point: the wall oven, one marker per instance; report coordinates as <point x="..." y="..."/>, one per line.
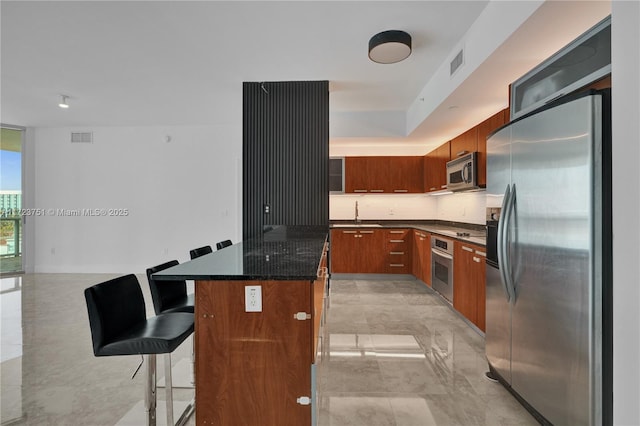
<point x="442" y="266"/>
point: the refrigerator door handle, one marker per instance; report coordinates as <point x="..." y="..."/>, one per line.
<point x="501" y="242"/>
<point x="508" y="270"/>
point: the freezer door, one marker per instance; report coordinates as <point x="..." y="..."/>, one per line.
<point x="498" y="326"/>
<point x="551" y="261"/>
<point x="498" y="309"/>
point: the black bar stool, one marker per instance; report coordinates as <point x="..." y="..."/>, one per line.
<point x="171" y="296"/>
<point x="223" y="244"/>
<point x="200" y="251"/>
<point x="119" y="326"/>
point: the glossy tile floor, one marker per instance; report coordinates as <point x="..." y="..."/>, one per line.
<point x="393" y="354"/>
<point x="398" y="355"/>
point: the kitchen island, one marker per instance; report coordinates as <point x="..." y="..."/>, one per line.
<point x="258" y="309"/>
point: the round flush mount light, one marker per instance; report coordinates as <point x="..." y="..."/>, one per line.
<point x="389" y="47"/>
<point x="64" y="102"/>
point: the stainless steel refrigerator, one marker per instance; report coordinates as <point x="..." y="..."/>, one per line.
<point x="548" y="324"/>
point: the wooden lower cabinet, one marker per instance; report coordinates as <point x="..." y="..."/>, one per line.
<point x="398" y="249"/>
<point x="421" y="256"/>
<point x="251" y="367"/>
<point x="469" y="282"/>
<point x="357" y="250"/>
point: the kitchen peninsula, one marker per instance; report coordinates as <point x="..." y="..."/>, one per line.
<point x="258" y="308"/>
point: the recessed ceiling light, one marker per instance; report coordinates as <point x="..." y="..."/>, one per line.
<point x="64" y="103"/>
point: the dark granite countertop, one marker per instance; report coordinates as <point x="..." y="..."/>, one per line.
<point x="285" y="253"/>
<point x="477" y="233"/>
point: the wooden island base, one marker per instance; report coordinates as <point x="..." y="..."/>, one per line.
<point x="257" y="368"/>
<point x="251" y="367"/>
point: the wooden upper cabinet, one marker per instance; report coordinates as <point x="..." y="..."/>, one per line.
<point x="405" y="174"/>
<point x="484" y="129"/>
<point x="356" y="174"/>
<point x="435" y="168"/>
<point x="378" y="174"/>
<point x="383" y="175"/>
<point x="464" y="143"/>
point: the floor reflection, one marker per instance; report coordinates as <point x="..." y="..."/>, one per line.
<point x="395" y="354"/>
<point x="11" y="349"/>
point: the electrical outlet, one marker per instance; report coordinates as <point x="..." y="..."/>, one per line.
<point x="253" y="298"/>
<point x="267" y="209"/>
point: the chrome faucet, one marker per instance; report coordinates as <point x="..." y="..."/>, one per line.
<point x="357" y="219"/>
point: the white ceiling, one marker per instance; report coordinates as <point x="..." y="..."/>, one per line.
<point x="140" y="63"/>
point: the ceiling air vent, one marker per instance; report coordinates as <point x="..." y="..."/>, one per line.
<point x="456" y="63"/>
<point x="81" y="137"/>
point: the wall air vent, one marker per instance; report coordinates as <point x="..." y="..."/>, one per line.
<point x="456" y="62"/>
<point x="81" y="137"/>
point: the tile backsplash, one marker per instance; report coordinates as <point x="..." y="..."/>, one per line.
<point x="467" y="207"/>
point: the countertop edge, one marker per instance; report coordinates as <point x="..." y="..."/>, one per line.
<point x="234" y="278"/>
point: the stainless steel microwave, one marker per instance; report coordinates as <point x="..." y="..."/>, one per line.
<point x="462" y="173"/>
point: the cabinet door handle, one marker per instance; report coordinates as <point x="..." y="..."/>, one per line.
<point x="481" y="253"/>
<point x="396" y="252"/>
<point x="396" y="232"/>
<point x="366" y="232"/>
<point x="461" y="153"/>
<point x="476" y="259"/>
<point x="400" y="190"/>
<point x="396" y="265"/>
<point x="433" y="188"/>
<point x="359" y="190"/>
<point x="469" y="249"/>
<point x="396" y="241"/>
<point x="443" y="186"/>
<point x="376" y="190"/>
<point x="349" y="232"/>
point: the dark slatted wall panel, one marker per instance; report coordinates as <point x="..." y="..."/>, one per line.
<point x="285" y="154"/>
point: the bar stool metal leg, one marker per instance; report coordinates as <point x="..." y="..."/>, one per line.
<point x="168" y="385"/>
<point x="150" y="390"/>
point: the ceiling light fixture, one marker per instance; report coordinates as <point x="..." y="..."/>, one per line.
<point x="389" y="47"/>
<point x="64" y="103"/>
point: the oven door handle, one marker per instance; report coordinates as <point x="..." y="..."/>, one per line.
<point x="441" y="254"/>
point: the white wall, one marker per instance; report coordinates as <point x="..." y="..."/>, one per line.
<point x="468" y="207"/>
<point x="179" y="194"/>
<point x="625" y="63"/>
